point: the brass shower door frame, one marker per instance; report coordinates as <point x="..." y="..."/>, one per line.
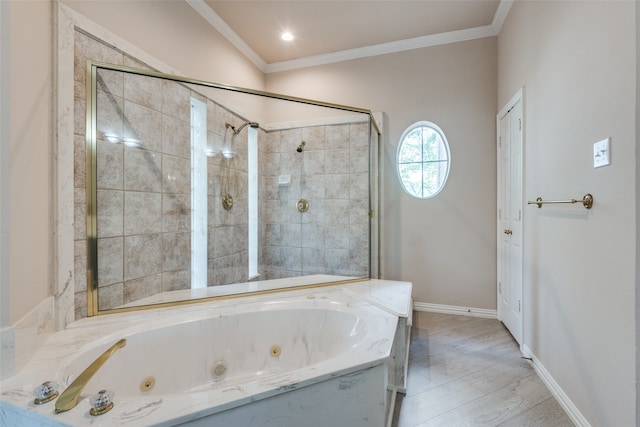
<point x="91" y="174"/>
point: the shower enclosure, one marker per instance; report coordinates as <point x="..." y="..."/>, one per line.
<point x="192" y="185"/>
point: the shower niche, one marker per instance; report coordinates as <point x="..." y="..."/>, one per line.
<point x="193" y="190"/>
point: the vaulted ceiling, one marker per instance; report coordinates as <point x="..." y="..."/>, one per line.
<point x="328" y="31"/>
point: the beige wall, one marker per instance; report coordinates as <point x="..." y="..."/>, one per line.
<point x="29" y="177"/>
<point x="577" y="62"/>
<point x="445" y="245"/>
<point x="4" y="164"/>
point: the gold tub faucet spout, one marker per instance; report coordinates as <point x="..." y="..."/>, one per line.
<point x="69" y="398"/>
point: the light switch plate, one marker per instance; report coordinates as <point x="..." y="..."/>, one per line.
<point x="602" y="153"/>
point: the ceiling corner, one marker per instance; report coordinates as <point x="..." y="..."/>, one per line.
<point x="221" y="26"/>
<point x="218" y="23"/>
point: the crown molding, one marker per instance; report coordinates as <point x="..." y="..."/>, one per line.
<point x="383" y="48"/>
<point x="218" y="23"/>
<point x="501" y="15"/>
<point x="362" y="52"/>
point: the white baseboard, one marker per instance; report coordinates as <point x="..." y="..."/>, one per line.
<point x="452" y="309"/>
<point x="562" y="398"/>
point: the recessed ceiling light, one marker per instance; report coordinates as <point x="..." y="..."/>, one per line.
<point x="287" y="36"/>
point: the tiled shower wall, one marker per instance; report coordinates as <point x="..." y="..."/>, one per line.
<point x="144" y="239"/>
<point x="227" y="229"/>
<point x="144" y="212"/>
<point x="332" y="174"/>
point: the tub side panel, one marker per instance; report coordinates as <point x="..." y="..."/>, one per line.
<point x="355" y="400"/>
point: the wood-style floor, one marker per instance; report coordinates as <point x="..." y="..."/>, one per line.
<point x="468" y="371"/>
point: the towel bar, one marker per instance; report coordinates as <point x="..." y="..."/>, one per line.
<point x="587" y="201"/>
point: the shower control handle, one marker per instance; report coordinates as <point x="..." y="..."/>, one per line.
<point x="302" y="205"/>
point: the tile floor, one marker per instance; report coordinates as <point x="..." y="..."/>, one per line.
<point x="468" y="371"/>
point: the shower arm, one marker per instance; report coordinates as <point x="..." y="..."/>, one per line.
<point x="242" y="126"/>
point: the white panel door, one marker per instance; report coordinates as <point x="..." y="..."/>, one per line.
<point x="510" y="151"/>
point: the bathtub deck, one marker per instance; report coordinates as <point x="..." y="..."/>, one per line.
<point x="379" y="308"/>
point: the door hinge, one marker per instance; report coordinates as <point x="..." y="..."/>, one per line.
<point x="372" y="213"/>
<point x="519" y="308"/>
<point x="500" y="141"/>
<point x="519" y="124"/>
<point x="499" y="287"/>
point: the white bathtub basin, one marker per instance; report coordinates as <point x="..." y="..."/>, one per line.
<point x="204" y="360"/>
<point x="213" y="352"/>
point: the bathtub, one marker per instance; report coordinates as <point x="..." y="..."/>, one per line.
<point x="305" y="357"/>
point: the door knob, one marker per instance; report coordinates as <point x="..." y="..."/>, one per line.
<point x="507" y="231"/>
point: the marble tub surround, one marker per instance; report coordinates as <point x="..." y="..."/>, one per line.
<point x="394" y="297"/>
<point x="349" y="369"/>
<point x="239" y="289"/>
<point x="389" y="295"/>
<point x="25" y="337"/>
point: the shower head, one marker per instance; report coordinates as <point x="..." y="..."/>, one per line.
<point x="242" y="126"/>
<point x="299" y="149"/>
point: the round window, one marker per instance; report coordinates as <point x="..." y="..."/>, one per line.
<point x="423" y="160"/>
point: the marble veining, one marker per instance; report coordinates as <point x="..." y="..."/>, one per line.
<point x="326" y="337"/>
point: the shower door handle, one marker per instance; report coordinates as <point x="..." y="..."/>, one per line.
<point x="507" y="231"/>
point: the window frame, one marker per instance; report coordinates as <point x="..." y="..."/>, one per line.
<point x="440" y="132"/>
